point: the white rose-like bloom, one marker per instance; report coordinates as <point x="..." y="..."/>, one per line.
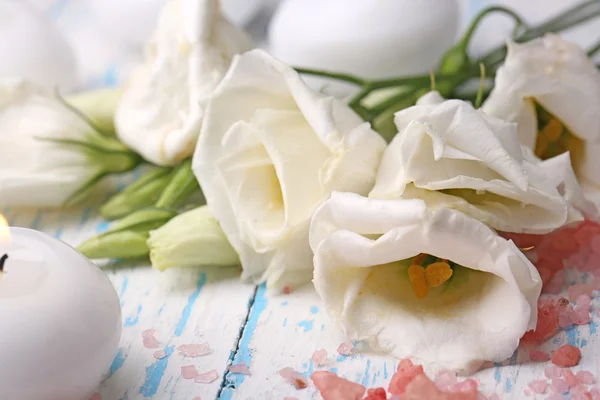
<point x="452" y="155"/>
<point x="558" y="76"/>
<point x="363" y="249"/>
<point x="270" y="152"/>
<point x="49" y="153"/>
<point x="161" y="110"/>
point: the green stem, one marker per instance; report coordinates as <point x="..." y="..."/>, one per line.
<point x="479" y="98"/>
<point x="333" y="75"/>
<point x="475" y="24"/>
<point x="592" y="52"/>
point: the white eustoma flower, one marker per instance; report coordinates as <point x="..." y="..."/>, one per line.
<point x="161" y="110"/>
<point x="452" y="155"/>
<point x="49" y="153"/>
<point x="557" y="76"/>
<point x="270" y="152"/>
<point x="364" y="249"/>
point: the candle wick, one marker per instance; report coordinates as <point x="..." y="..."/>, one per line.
<point x="2" y="261"/>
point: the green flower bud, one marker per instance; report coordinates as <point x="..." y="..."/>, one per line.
<point x="98" y="106"/>
<point x="191" y="239"/>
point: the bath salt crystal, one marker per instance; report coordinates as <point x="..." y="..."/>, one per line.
<point x="559" y="386"/>
<point x="96" y="396"/>
<point x="595" y="244"/>
<point x="556" y="283"/>
<point x="586" y="377"/>
<point x="240" y="368"/>
<point x="566" y="356"/>
<point x="547" y="323"/>
<point x="188" y="372"/>
<point x="494" y="396"/>
<point x="527" y="392"/>
<point x="290" y="398"/>
<point x="346" y="348"/>
<point x="579" y="289"/>
<point x="294" y="378"/>
<point x="557" y="396"/>
<point x="194" y="350"/>
<point x="552" y="371"/>
<point x="148" y="339"/>
<point x="570" y="377"/>
<point x="405" y="373"/>
<point x="466" y="386"/>
<point x="539" y="386"/>
<point x="580" y="393"/>
<point x="319" y="356"/>
<point x="207" y="377"/>
<point x="538" y="355"/>
<point x="585" y="232"/>
<point x="376" y="394"/>
<point x="159" y="355"/>
<point x="332" y="387"/>
<point x="445" y="379"/>
<point x="584" y="300"/>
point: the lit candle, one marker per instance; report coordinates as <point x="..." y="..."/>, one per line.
<point x="60" y="319"/>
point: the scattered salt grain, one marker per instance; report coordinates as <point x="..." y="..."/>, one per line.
<point x="346" y="348"/>
<point x="207" y="377"/>
<point x="557" y="396"/>
<point x="539" y="386"/>
<point x="405" y="373"/>
<point x="319" y="356"/>
<point x="559" y="385"/>
<point x="240" y="368"/>
<point x="445" y="379"/>
<point x="294" y="378"/>
<point x="188" y="372"/>
<point x="579" y="289"/>
<point x="290" y="398"/>
<point x="566" y="356"/>
<point x="547" y="323"/>
<point x="538" y="355"/>
<point x="332" y="387"/>
<point x="585" y="377"/>
<point x="160" y="354"/>
<point x="552" y="371"/>
<point x="197" y="398"/>
<point x="570" y="377"/>
<point x="494" y="396"/>
<point x="376" y="394"/>
<point x="96" y="396"/>
<point x="194" y="350"/>
<point x="148" y="339"/>
<point x="287" y="290"/>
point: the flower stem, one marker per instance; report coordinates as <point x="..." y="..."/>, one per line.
<point x="592" y="52"/>
<point x="333" y="75"/>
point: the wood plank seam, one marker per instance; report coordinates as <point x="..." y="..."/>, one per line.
<point x="227" y="381"/>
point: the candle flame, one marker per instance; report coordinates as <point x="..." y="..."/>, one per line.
<point x="4" y="231"/>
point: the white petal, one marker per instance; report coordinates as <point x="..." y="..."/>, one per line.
<point x="556" y="74"/>
<point x="161" y="110"/>
<point x="452" y="146"/>
<point x="479" y="315"/>
<point x="270" y="152"/>
<point x="589" y="168"/>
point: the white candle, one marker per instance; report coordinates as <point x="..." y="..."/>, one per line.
<point x="60" y="319"/>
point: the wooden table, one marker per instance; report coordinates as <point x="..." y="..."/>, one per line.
<point x="242" y="324"/>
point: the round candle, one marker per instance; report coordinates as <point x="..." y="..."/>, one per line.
<point x="60" y="319"/>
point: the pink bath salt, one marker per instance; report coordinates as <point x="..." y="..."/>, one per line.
<point x="595" y="283"/>
<point x="527" y="392"/>
<point x="346" y="348"/>
<point x="160" y="354"/>
<point x="494" y="396"/>
<point x="445" y="379"/>
<point x="405" y="373"/>
<point x="586" y="231"/>
<point x="194" y="350"/>
<point x="585" y="377"/>
<point x="566" y="316"/>
<point x="557" y="396"/>
<point x="584" y="300"/>
<point x="579" y="289"/>
<point x="556" y="283"/>
<point x="376" y="394"/>
<point x="319" y="356"/>
<point x="564" y="242"/>
<point x="207" y="377"/>
<point x="566" y="356"/>
<point x="96" y="396"/>
<point x="538" y="355"/>
<point x="570" y="377"/>
<point x="559" y="385"/>
<point x="240" y="368"/>
<point x="287" y="289"/>
<point x="290" y="398"/>
<point x="148" y="339"/>
<point x="188" y="372"/>
<point x="294" y="378"/>
<point x="547" y="323"/>
<point x="581" y="316"/>
<point x="466" y="386"/>
<point x="539" y="386"/>
<point x="197" y="398"/>
<point x="595" y="244"/>
<point x="552" y="371"/>
<point x="332" y="387"/>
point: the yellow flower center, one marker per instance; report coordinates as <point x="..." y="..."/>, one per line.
<point x="432" y="275"/>
<point x="554" y="138"/>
